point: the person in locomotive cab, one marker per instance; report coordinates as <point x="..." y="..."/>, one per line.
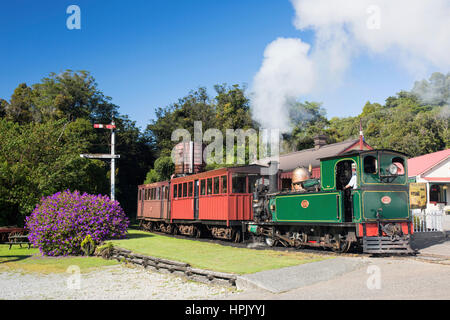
<point x="299" y="176"/>
<point x="353" y="181"/>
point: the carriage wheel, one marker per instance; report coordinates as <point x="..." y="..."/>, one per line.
<point x="237" y="236"/>
<point x="197" y="232"/>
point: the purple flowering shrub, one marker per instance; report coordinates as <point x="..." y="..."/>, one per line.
<point x="60" y="222"/>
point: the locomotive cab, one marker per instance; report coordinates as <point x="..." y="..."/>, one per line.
<point x="379" y="204"/>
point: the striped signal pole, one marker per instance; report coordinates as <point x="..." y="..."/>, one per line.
<point x="113" y="161"/>
<point x="361" y="135"/>
<point x="113" y="156"/>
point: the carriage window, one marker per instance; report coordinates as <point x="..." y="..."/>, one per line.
<point x="139" y="194"/>
<point x="175" y="189"/>
<point x="202" y="188"/>
<point x="163" y="190"/>
<point x="209" y="186"/>
<point x="238" y="183"/>
<point x="158" y="193"/>
<point x="185" y="190"/>
<point x="190" y="189"/>
<point x="167" y="193"/>
<point x="216" y="185"/>
<point x="370" y="165"/>
<point x="147" y="192"/>
<point x="224" y="184"/>
<point x="153" y="193"/>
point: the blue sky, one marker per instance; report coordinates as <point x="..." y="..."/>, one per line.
<point x="147" y="54"/>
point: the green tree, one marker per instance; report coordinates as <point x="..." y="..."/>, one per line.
<point x="40" y="159"/>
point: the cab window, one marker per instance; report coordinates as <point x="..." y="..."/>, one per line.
<point x="370" y="165"/>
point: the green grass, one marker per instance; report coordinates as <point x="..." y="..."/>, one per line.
<point x="212" y="256"/>
<point x="31" y="260"/>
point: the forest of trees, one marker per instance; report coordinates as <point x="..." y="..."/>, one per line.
<point x="46" y="126"/>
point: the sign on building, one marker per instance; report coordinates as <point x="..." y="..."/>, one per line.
<point x="418" y="195"/>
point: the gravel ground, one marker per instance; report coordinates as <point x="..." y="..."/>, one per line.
<point x="115" y="282"/>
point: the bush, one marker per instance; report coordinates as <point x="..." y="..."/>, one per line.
<point x="60" y="223"/>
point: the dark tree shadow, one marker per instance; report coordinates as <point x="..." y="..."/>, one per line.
<point x="14" y="258"/>
<point x="137" y="236"/>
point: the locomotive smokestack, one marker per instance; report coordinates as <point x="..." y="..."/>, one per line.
<point x="273" y="177"/>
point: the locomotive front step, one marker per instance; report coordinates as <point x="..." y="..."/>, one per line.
<point x="387" y="245"/>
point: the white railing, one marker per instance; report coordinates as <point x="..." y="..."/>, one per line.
<point x="427" y="220"/>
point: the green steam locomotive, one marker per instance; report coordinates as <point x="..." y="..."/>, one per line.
<point x="361" y="200"/>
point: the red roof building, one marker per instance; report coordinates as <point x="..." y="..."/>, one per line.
<point x="434" y="170"/>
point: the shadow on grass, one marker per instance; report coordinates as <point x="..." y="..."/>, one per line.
<point x="137" y="236"/>
<point x="14" y="258"/>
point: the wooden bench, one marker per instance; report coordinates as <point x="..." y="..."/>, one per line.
<point x="17" y="239"/>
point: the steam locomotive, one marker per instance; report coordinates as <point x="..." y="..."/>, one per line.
<point x="246" y="202"/>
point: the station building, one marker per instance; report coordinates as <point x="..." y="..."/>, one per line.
<point x="433" y="169"/>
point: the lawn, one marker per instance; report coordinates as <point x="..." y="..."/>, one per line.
<point x="211" y="256"/>
<point x="31" y="260"/>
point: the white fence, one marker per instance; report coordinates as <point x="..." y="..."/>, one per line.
<point x="428" y="220"/>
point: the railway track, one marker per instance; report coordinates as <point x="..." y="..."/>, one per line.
<point x="250" y="244"/>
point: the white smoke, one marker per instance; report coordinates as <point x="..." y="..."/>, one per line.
<point x="414" y="33"/>
<point x="285" y="74"/>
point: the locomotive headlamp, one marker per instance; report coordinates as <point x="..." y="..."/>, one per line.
<point x="393" y="169"/>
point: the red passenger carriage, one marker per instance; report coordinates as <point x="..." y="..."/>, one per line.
<point x="215" y="202"/>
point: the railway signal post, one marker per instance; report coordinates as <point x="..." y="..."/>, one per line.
<point x="113" y="156"/>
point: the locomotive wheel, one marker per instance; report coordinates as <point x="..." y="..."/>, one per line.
<point x="342" y="246"/>
<point x="270" y="242"/>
